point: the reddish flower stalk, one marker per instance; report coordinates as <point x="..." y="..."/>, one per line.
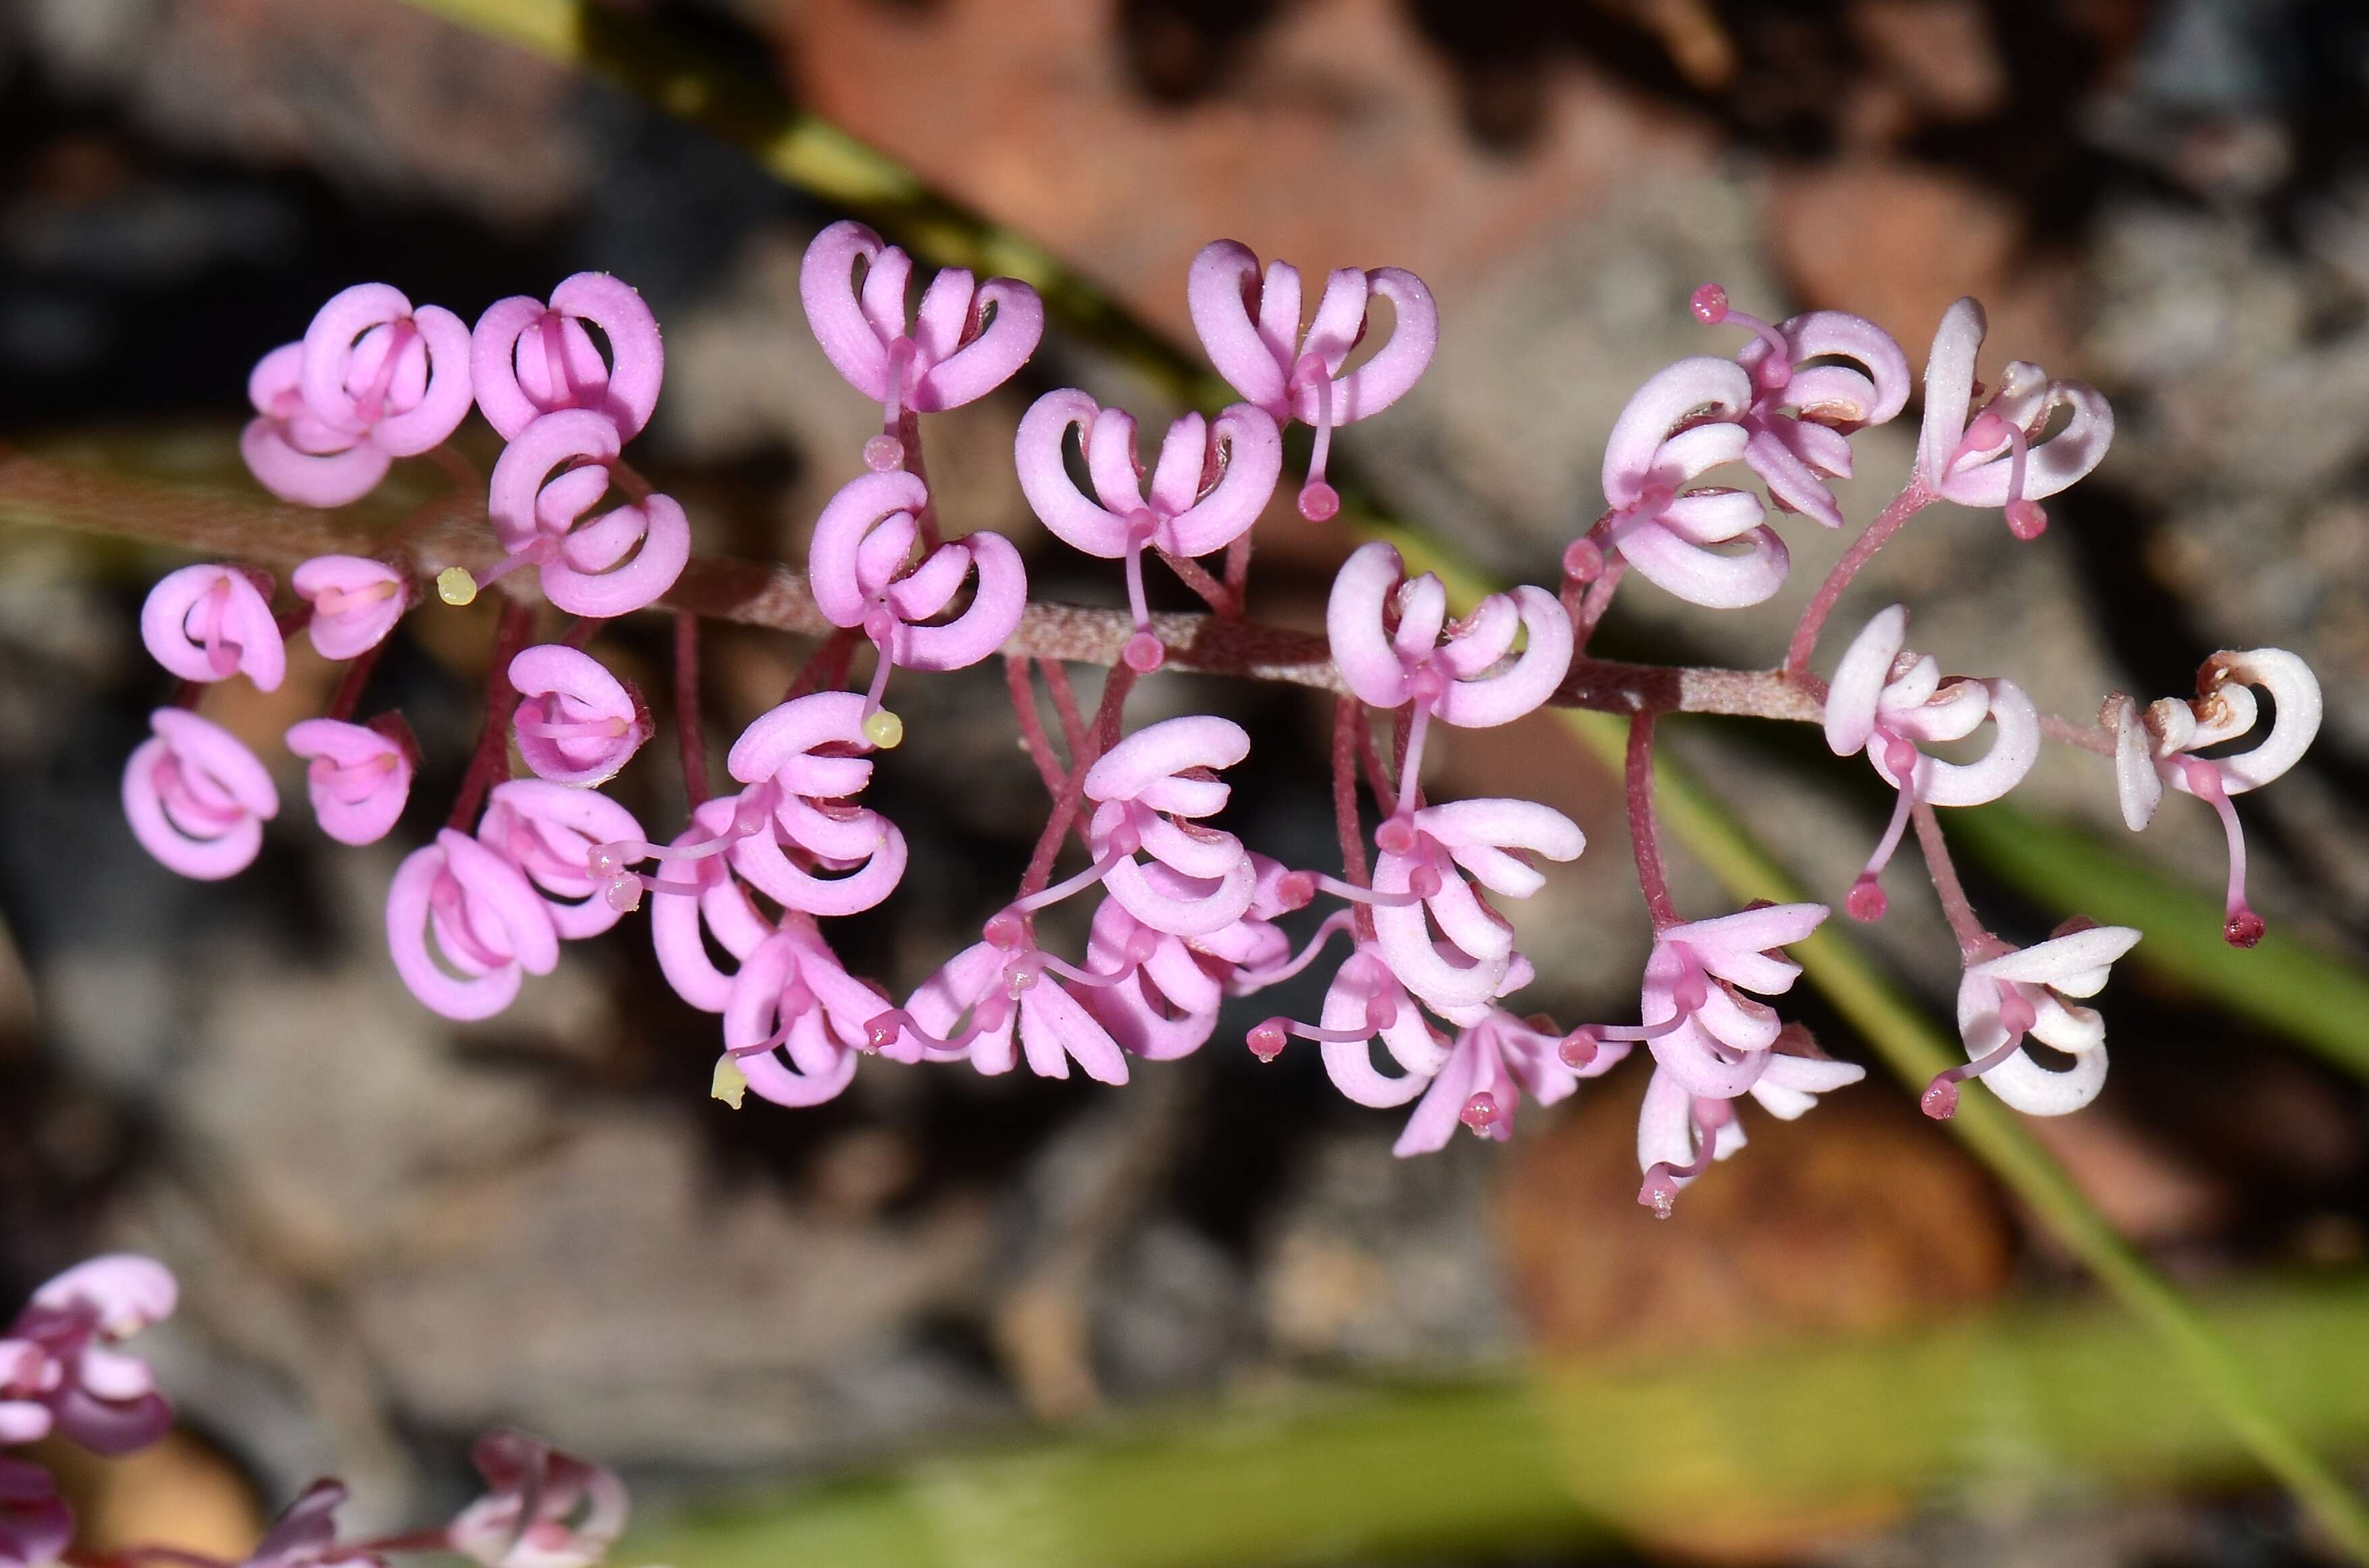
<point x="1912" y="500"/>
<point x="690" y="736"/>
<point x="1644" y="832"/>
<point x="492" y="757"/>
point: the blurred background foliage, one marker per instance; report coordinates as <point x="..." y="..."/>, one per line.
<point x="1210" y="1321"/>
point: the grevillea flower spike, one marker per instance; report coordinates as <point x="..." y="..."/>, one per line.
<point x="59" y="1369"/>
<point x="1688" y="419"/>
<point x="1793" y="366"/>
<point x="556" y="469"/>
<point x="2158" y="745"/>
<point x="1995" y="458"/>
<point x="1248" y="325"/>
<point x="1211" y="483"/>
<point x="358" y="775"/>
<point x="1887" y="702"/>
<point x="356" y="602"/>
<point x="464" y="926"/>
<point x="210" y="623"/>
<point x="2028" y="992"/>
<point x="541" y="1508"/>
<point x="196" y="797"/>
<point x="576" y="723"/>
<point x="529" y="358"/>
<point x="36" y="1524"/>
<point x="860" y="567"/>
<point x="965" y="340"/>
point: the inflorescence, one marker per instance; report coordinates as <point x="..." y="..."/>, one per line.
<point x="1187" y="913"/>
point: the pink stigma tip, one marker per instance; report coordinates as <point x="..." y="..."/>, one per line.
<point x="1319" y="502"/>
<point x="884" y="454"/>
<point x="623" y="893"/>
<point x="2026" y="520"/>
<point x="1708" y="305"/>
<point x="1582" y="560"/>
<point x="1144" y="653"/>
<point x="1939" y="1100"/>
<point x="1866" y="902"/>
<point x="1578" y="1049"/>
<point x="1659" y="1194"/>
<point x="1480" y="1112"/>
<point x="1395" y="836"/>
<point x="2244" y="929"/>
<point x="1004" y="930"/>
<point x="1266" y="1040"/>
<point x="1296" y="890"/>
<point x="882" y="1031"/>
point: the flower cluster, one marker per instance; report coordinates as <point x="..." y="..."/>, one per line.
<point x="1707" y="461"/>
<point x="60" y="1373"/>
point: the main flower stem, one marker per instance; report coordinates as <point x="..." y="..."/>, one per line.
<point x="1913" y="498"/>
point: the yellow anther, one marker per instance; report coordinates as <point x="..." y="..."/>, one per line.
<point x="455" y="587"/>
<point x="883" y="728"/>
<point x="729" y="1085"/>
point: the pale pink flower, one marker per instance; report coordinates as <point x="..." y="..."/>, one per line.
<point x="805" y="757"/>
<point x="576" y="723"/>
<point x="701" y="898"/>
<point x="1248" y="325"/>
<point x="1685" y="420"/>
<point x="1993" y="456"/>
<point x="1793" y="366"/>
<point x="967" y="339"/>
<point x="36" y="1526"/>
<point x="196" y="797"/>
<point x="1003" y="998"/>
<point x="1211" y="483"/>
<point x="1149" y="790"/>
<point x="1437" y="933"/>
<point x="1166" y="1003"/>
<point x="1494" y="1062"/>
<point x="2030" y="992"/>
<point x="551" y="474"/>
<point x="356" y="602"/>
<point x="1680" y="1133"/>
<point x="542" y="1509"/>
<point x="1888" y="703"/>
<point x="2157" y="747"/>
<point x="212" y="622"/>
<point x="550" y="832"/>
<point x="464" y="926"/>
<point x="528" y="359"/>
<point x="375" y="369"/>
<point x="294" y="452"/>
<point x="59" y="1369"/>
<point x="794" y="1022"/>
<point x="358" y="775"/>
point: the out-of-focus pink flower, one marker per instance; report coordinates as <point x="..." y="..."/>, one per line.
<point x="2159" y="746"/>
<point x="1888" y="703"/>
<point x="377" y="370"/>
<point x="1993" y="456"/>
<point x="994" y="1003"/>
<point x="1685" y="420"/>
<point x="541" y="1508"/>
<point x="295" y="454"/>
<point x="59" y="1369"/>
<point x="356" y="602"/>
<point x="1680" y="1133"/>
<point x="36" y="1526"/>
<point x="1248" y="325"/>
<point x="464" y="926"/>
<point x="212" y="622"/>
<point x="305" y="1534"/>
<point x="550" y="831"/>
<point x="527" y="359"/>
<point x="1166" y="1003"/>
<point x="576" y="723"/>
<point x="358" y="775"/>
<point x="965" y="340"/>
<point x="196" y="797"/>
<point x="551" y="474"/>
<point x="1793" y="366"/>
<point x="2026" y="992"/>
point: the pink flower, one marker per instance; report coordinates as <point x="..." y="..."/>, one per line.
<point x="550" y="831"/>
<point x="967" y="339"/>
<point x="1796" y="453"/>
<point x="528" y="359"/>
<point x="542" y="1509"/>
<point x="576" y="723"/>
<point x="1165" y="1004"/>
<point x="1149" y="787"/>
<point x="1494" y="1062"/>
<point x="292" y="451"/>
<point x="306" y="1533"/>
<point x="861" y="568"/>
<point x="1365" y="1002"/>
<point x="465" y="926"/>
<point x="794" y="1022"/>
<point x="209" y="622"/>
<point x="197" y="799"/>
<point x="356" y="602"/>
<point x="358" y="775"/>
<point x="36" y="1526"/>
<point x="1250" y="327"/>
<point x="58" y="1368"/>
<point x="623" y="560"/>
<point x="1210" y="485"/>
<point x="805" y="757"/>
<point x="1887" y="703"/>
<point x="1440" y="937"/>
<point x="2023" y="992"/>
<point x="1684" y="421"/>
<point x="993" y="994"/>
<point x="1680" y="1133"/>
<point x="704" y="899"/>
<point x="1996" y="459"/>
<point x="2159" y="747"/>
<point x="378" y="370"/>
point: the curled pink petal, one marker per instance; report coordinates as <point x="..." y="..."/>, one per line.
<point x="1480" y="700"/>
<point x="527" y="359"/>
<point x="969" y="339"/>
<point x="210" y="622"/>
<point x="1362" y="649"/>
<point x="552" y="442"/>
<point x="359" y="778"/>
<point x="464" y="926"/>
<point x="1860" y="678"/>
<point x="1263" y="359"/>
<point x="1707" y="578"/>
<point x="1130" y="768"/>
<point x="782" y="742"/>
<point x="356" y="602"/>
<point x="541" y="1508"/>
<point x="550" y="831"/>
<point x="576" y="724"/>
<point x="196" y="797"/>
